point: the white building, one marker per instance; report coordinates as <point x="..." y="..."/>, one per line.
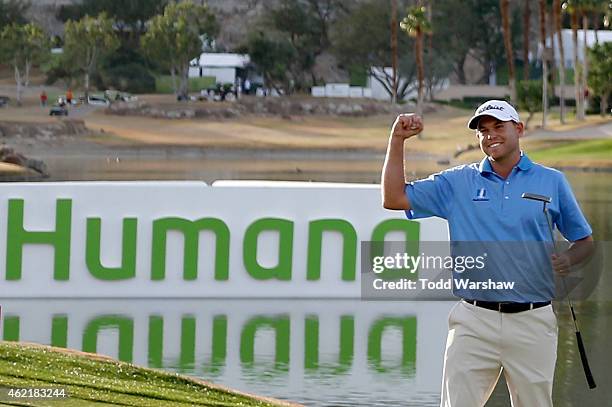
<point x="568" y="44"/>
<point x="224" y="67"/>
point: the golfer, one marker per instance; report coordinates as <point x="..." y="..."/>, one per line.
<point x="513" y="331"/>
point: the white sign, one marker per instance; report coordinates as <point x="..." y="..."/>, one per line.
<point x="188" y="239"/>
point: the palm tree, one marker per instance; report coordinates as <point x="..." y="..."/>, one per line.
<point x="599" y="7"/>
<point x="542" y="4"/>
<point x="526" y="21"/>
<point x="557" y="28"/>
<point x="573" y="8"/>
<point x="394" y="51"/>
<point x="585" y="27"/>
<point x="593" y="7"/>
<point x="504" y="6"/>
<point x="416" y="24"/>
<point x="430" y="52"/>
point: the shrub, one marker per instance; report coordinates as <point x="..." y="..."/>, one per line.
<point x="529" y="95"/>
<point x="132" y="77"/>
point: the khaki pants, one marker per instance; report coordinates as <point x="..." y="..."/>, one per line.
<point x="482" y="343"/>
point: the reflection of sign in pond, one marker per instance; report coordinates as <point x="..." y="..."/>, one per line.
<point x="212" y="339"/>
<point x="280" y="325"/>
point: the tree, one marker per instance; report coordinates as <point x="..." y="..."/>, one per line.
<point x="292" y="20"/>
<point x="306" y="25"/>
<point x="599" y="9"/>
<point x="177" y="37"/>
<point x="430" y="52"/>
<point x="130" y="16"/>
<point x="529" y="97"/>
<point x="585" y="8"/>
<point x="588" y="7"/>
<point x="573" y="8"/>
<point x="526" y="35"/>
<point x="556" y="8"/>
<point x="272" y="57"/>
<point x="23" y="46"/>
<point x="542" y="6"/>
<point x="394" y="50"/>
<point x="416" y="24"/>
<point x="129" y="23"/>
<point x="85" y="43"/>
<point x="600" y="74"/>
<point x="505" y="15"/>
<point x="458" y="35"/>
<point x="361" y="42"/>
<point x="12" y="11"/>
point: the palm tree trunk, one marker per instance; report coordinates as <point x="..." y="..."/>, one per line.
<point x="420" y="70"/>
<point x="174" y="85"/>
<point x="552" y="55"/>
<point x="459" y="70"/>
<point x="394" y="50"/>
<point x="184" y="82"/>
<point x="504" y="6"/>
<point x="585" y="74"/>
<point x="544" y="62"/>
<point x="561" y="67"/>
<point x="577" y="69"/>
<point x="596" y="25"/>
<point x="18" y="81"/>
<point x="87" y="87"/>
<point x="526" y="20"/>
<point x="430" y="53"/>
<point x="26" y="78"/>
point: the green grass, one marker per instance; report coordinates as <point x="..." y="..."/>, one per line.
<point x="163" y="84"/>
<point x="591" y="149"/>
<point x="96" y="381"/>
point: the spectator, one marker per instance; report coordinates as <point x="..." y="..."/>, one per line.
<point x="43" y="98"/>
<point x="69" y="96"/>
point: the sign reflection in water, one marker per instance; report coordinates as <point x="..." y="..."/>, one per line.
<point x="281" y="348"/>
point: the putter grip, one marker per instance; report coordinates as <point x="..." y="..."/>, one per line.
<point x="585" y="361"/>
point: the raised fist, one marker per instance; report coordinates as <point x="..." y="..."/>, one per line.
<point x="407" y="125"/>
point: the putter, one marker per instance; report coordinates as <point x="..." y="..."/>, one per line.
<point x="583" y="356"/>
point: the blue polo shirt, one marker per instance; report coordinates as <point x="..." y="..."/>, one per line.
<point x="486" y="214"/>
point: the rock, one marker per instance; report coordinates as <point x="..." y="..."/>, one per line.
<point x="285" y="106"/>
<point x="43" y="131"/>
<point x="9" y="155"/>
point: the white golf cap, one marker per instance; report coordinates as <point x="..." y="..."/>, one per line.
<point x="499" y="109"/>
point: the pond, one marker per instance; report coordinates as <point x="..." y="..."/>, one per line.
<point x="318" y="352"/>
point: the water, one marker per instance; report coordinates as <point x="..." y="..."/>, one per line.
<point x="317" y="352"/>
<point x="332" y="352"/>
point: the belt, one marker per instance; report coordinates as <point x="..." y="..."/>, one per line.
<point x="508" y="307"/>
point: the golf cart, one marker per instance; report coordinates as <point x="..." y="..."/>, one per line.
<point x="218" y="92"/>
<point x="59" y="108"/>
<point x="117" y="96"/>
<point x="97" y="100"/>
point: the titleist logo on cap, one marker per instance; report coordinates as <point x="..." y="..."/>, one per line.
<point x="500" y="109"/>
<point x="489" y="107"/>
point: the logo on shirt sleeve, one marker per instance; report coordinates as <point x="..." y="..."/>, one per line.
<point x="481" y="195"/>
